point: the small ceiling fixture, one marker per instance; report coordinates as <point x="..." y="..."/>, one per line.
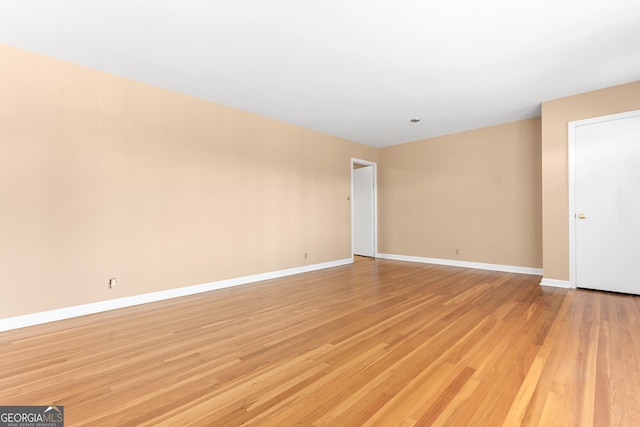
<point x="415" y="120"/>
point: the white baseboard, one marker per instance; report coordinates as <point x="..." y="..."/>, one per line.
<point x="465" y="264"/>
<point x="556" y="283"/>
<point x="81" y="310"/>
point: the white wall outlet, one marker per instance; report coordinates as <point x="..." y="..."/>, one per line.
<point x="113" y="283"/>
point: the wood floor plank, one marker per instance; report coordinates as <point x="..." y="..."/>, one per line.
<point x="379" y="342"/>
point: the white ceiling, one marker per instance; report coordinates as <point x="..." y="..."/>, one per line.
<point x="358" y="69"/>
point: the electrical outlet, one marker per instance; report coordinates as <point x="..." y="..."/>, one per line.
<point x="457" y="251"/>
<point x="113" y="283"/>
<point x="306" y="255"/>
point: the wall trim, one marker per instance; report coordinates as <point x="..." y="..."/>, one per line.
<point x="97" y="307"/>
<point x="465" y="264"/>
<point x="556" y="283"/>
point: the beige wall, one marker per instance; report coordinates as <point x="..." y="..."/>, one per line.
<point x="478" y="191"/>
<point x="556" y="115"/>
<point x="105" y="177"/>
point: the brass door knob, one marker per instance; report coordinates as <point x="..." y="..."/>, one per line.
<point x="582" y="216"/>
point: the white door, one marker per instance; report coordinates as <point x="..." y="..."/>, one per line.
<point x="363" y="212"/>
<point x="607" y="204"/>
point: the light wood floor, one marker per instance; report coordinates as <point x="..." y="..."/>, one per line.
<point x="380" y="343"/>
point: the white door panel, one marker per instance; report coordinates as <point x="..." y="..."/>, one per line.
<point x="607" y="205"/>
<point x="363" y="212"/>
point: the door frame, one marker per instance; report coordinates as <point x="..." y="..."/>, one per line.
<point x="572" y="126"/>
<point x="355" y="161"/>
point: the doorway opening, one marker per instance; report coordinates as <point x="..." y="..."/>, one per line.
<point x="364" y="207"/>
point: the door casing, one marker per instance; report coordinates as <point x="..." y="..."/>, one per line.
<point x="355" y="161"/>
<point x="572" y="140"/>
